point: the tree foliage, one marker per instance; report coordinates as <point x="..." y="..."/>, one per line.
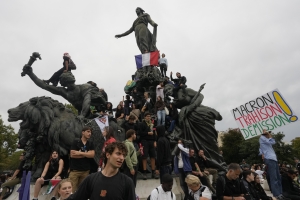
<point x="296" y="146"/>
<point x="8" y="144"/>
<point x="70" y="106"/>
<point x="235" y="148"/>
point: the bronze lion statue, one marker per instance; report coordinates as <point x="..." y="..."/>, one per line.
<point x="47" y="124"/>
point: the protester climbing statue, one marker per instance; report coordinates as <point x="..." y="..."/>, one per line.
<point x="80" y="96"/>
<point x="197" y="123"/>
<point x="47" y="124"/>
<point x="146" y="41"/>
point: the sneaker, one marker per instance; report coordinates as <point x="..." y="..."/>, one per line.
<point x="154" y="175"/>
<point x="281" y="197"/>
<point x="144" y="176"/>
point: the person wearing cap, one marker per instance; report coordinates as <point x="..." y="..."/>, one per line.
<point x="270" y="159"/>
<point x="68" y="65"/>
<point x="288" y="188"/>
<point x="15" y="179"/>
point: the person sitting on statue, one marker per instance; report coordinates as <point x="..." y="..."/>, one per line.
<point x="127" y="103"/>
<point x="120" y="114"/>
<point x="80" y="96"/>
<point x="163" y="64"/>
<point x="159" y="107"/>
<point x="68" y="65"/>
<point x="135" y="112"/>
<point x="160" y="90"/>
<point x="179" y="82"/>
<point x="16" y="177"/>
<point x="146" y="41"/>
<point x="52" y="170"/>
<point x="147" y="104"/>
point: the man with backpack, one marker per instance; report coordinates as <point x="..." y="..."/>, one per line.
<point x="229" y="186"/>
<point x="197" y="191"/>
<point x="164" y="191"/>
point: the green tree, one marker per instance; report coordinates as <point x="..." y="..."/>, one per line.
<point x="8" y="144"/>
<point x="235" y="148"/>
<point x="70" y="106"/>
<point x="231" y="144"/>
<point x="296" y="146"/>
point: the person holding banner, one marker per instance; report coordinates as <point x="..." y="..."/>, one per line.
<point x="52" y="170"/>
<point x="270" y="159"/>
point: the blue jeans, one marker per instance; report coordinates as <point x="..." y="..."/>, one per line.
<point x="161" y="115"/>
<point x="166" y="169"/>
<point x="275" y="178"/>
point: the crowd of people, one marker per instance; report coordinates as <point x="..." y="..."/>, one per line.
<point x="146" y="123"/>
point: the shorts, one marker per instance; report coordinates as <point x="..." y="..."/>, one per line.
<point x="148" y="149"/>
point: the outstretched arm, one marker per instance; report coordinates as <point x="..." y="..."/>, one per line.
<point x="43" y="85"/>
<point x="126" y="33"/>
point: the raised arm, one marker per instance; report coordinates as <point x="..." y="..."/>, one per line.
<point x="42" y="84"/>
<point x="126" y="33"/>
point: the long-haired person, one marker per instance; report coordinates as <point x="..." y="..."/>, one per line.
<point x="52" y="170"/>
<point x="108" y="134"/>
<point x="64" y="189"/>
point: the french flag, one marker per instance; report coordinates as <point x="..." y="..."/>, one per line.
<point x="147" y="59"/>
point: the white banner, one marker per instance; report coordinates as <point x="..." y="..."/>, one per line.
<point x="102" y="121"/>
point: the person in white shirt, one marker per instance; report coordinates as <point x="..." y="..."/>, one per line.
<point x="164" y="191"/>
<point x="197" y="191"/>
<point x="160" y="90"/>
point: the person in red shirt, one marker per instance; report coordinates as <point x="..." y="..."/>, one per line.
<point x="108" y="134"/>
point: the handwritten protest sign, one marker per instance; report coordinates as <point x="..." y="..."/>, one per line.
<point x="269" y="111"/>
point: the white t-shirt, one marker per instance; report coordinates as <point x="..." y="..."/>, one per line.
<point x="160" y="92"/>
<point x="161" y="194"/>
<point x="205" y="193"/>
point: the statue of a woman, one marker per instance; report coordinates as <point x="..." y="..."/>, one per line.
<point x="145" y="40"/>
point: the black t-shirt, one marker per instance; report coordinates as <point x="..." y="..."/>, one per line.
<point x="201" y="163"/>
<point x="119" y="112"/>
<point x="97" y="186"/>
<point x="20" y="174"/>
<point x="232" y="187"/>
<point x="81" y="164"/>
<point x="193" y="161"/>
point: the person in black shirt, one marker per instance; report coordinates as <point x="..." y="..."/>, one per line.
<point x="288" y="189"/>
<point x="147" y="138"/>
<point x="259" y="189"/>
<point x="16" y="177"/>
<point x="297" y="161"/>
<point x="196" y="170"/>
<point x="68" y="65"/>
<point x="109" y="184"/>
<point x="248" y="179"/>
<point x="229" y="186"/>
<point x="179" y="83"/>
<point x="130" y="123"/>
<point x="164" y="158"/>
<point x="81" y="152"/>
<point x="52" y="170"/>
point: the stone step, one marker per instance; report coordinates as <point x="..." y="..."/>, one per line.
<point x="143" y="190"/>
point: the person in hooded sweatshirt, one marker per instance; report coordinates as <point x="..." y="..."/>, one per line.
<point x="164" y="158"/>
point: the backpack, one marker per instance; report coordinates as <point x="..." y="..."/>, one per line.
<point x="190" y="197"/>
<point x="149" y="197"/>
<point x="71" y="64"/>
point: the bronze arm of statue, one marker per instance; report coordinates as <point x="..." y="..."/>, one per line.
<point x="78" y="95"/>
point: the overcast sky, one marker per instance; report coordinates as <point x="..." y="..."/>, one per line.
<point x="240" y="49"/>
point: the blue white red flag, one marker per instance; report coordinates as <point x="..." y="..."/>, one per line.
<point x="147" y="59"/>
